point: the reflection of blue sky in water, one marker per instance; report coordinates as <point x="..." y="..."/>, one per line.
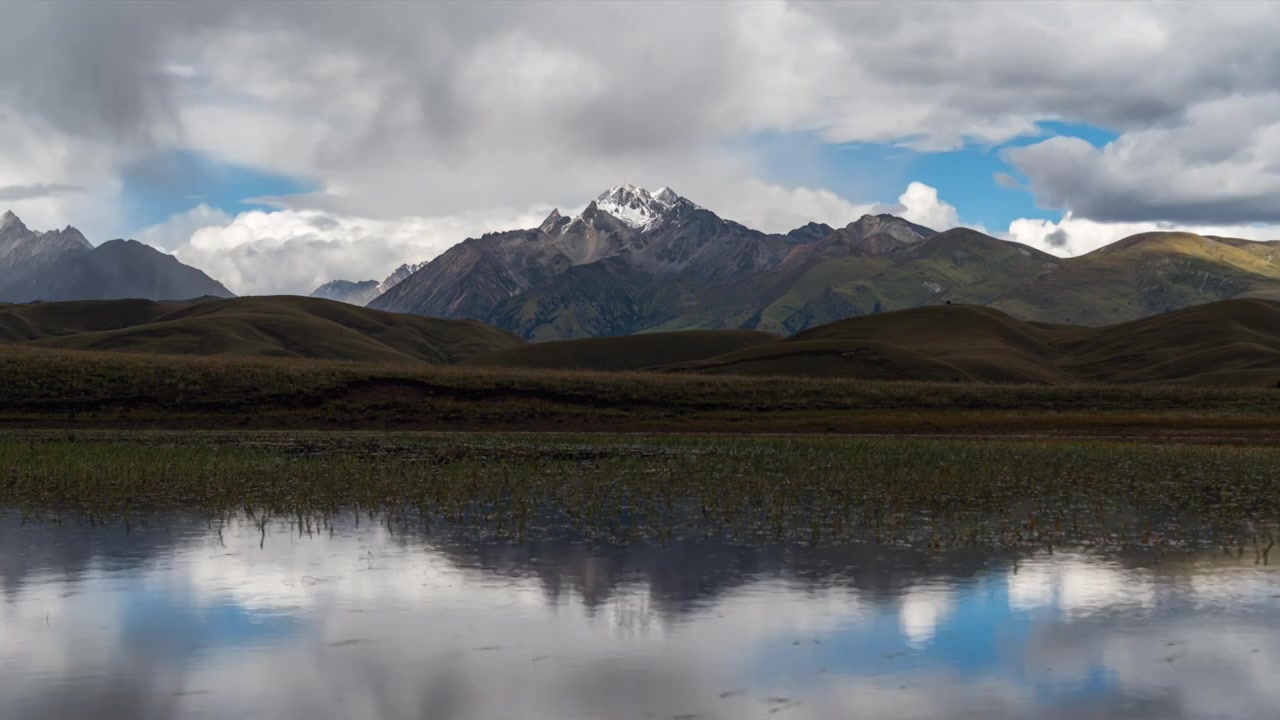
<point x="970" y="631"/>
<point x="185" y="623"/>
<point x="363" y="625"/>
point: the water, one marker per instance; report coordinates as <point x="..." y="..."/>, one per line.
<point x="179" y="620"/>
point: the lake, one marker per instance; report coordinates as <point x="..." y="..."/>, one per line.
<point x="186" y="618"/>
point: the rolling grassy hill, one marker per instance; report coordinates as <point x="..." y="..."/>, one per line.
<point x="1233" y="342"/>
<point x="1145" y="275"/>
<point x="627" y="352"/>
<point x="282" y="326"/>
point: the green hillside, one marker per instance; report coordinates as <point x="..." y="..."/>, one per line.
<point x="283" y="326"/>
<point x="1145" y="275"/>
<point x="1140" y="276"/>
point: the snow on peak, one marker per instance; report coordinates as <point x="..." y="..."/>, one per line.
<point x="666" y="196"/>
<point x="9" y="219"/>
<point x="634" y="205"/>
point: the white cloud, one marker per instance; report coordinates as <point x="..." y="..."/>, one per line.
<point x="295" y="251"/>
<point x="442" y="110"/>
<point x="176" y="231"/>
<point x="36" y="161"/>
<point x="1075" y="236"/>
<point x="773" y="208"/>
<point x="921" y="205"/>
<point x="1219" y="163"/>
<point x="433" y="109"/>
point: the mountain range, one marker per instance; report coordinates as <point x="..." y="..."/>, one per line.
<point x="364" y="291"/>
<point x="634" y="261"/>
<point x="639" y="262"/>
<point x="63" y="265"/>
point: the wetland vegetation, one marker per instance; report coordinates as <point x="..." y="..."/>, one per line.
<point x="622" y="488"/>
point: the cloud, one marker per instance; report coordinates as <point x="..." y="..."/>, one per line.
<point x="296" y="251"/>
<point x="1218" y="163"/>
<point x="423" y="123"/>
<point x="920" y="204"/>
<point x="1075" y="235"/>
<point x="1058" y="238"/>
<point x="1007" y="181"/>
<point x="424" y="109"/>
<point x="37" y="190"/>
<point x="176" y="231"/>
<point x="52" y="180"/>
<point x="774" y="208"/>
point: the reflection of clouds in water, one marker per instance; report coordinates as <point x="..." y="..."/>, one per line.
<point x="55" y="624"/>
<point x="1078" y="586"/>
<point x="355" y="568"/>
<point x="920" y="611"/>
<point x="387" y="627"/>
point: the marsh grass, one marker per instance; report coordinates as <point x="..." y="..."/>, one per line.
<point x="933" y="493"/>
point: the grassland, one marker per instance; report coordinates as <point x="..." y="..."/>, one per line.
<point x="250" y="363"/>
<point x="627" y="352"/>
<point x="62" y="388"/>
<point x="285" y="326"/>
<point x="615" y="489"/>
<point x="1234" y="342"/>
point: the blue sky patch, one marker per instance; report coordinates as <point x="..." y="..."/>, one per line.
<point x="175" y="180"/>
<point x="879" y="172"/>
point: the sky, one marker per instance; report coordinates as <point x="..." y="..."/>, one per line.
<point x="278" y="146"/>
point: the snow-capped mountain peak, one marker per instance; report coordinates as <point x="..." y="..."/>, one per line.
<point x="666" y="197"/>
<point x="398" y="275"/>
<point x="9" y="219"/>
<point x="634" y="205"/>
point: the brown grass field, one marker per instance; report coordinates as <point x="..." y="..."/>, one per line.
<point x="1205" y="374"/>
<point x="56" y="388"/>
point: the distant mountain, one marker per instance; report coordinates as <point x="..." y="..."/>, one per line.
<point x="361" y="293"/>
<point x="352" y="293"/>
<point x="23" y="251"/>
<point x="635" y="261"/>
<point x="630" y="261"/>
<point x="397" y="275"/>
<point x="63" y="265"/>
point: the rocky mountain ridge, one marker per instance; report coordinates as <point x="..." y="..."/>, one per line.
<point x="63" y="265"/>
<point x="635" y="261"/>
